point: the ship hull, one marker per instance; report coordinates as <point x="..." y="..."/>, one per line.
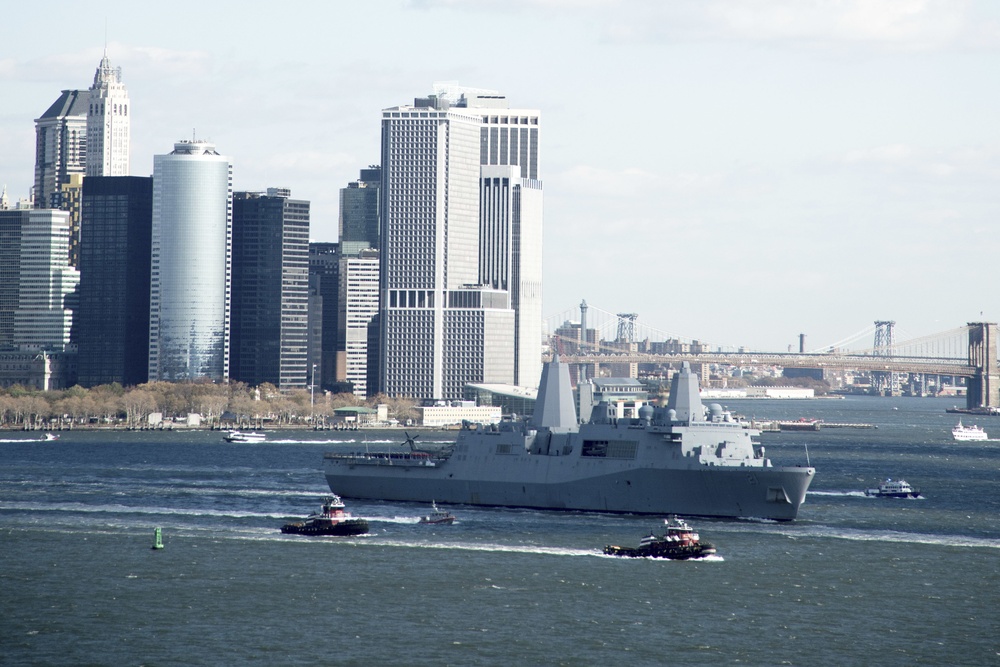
<point x="768" y="493"/>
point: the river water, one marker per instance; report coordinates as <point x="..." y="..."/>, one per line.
<point x="854" y="581"/>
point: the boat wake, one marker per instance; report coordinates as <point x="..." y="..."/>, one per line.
<point x="126" y="509"/>
<point x="840" y="494"/>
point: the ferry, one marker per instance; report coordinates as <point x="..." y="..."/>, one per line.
<point x="894" y="489"/>
<point x="244" y="436"/>
<point x="684" y="458"/>
<point x="973" y="433"/>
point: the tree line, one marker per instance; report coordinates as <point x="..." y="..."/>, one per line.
<point x="114" y="405"/>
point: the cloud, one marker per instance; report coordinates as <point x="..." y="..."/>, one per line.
<point x="881" y="25"/>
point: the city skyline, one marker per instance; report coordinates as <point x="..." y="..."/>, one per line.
<point x="751" y="174"/>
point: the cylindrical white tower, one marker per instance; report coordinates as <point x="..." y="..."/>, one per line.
<point x="191" y="264"/>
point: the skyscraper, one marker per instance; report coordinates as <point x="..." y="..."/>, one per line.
<point x="324" y="283"/>
<point x="358" y="277"/>
<point x="108" y="116"/>
<point x="359" y="219"/>
<point x="35" y="279"/>
<point x="112" y="325"/>
<point x="60" y="146"/>
<point x="510" y="258"/>
<point x="357" y="305"/>
<point x="191" y="262"/>
<point x="269" y="331"/>
<point x="440" y="326"/>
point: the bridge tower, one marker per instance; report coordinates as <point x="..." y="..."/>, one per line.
<point x="884" y="382"/>
<point x="626" y="327"/>
<point x="984" y="386"/>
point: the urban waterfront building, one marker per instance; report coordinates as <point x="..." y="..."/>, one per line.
<point x="112" y="325"/>
<point x="60" y="146"/>
<point x="36" y="280"/>
<point x="190" y="264"/>
<point x="324" y="284"/>
<point x="269" y="332"/>
<point x="357" y="298"/>
<point x="447" y="314"/>
<point x="357" y="306"/>
<point x="510" y="258"/>
<point x="359" y="206"/>
<point x="108" y="125"/>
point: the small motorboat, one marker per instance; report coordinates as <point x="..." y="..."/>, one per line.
<point x="973" y="433"/>
<point x="331" y="520"/>
<point x="890" y="488"/>
<point x="49" y="437"/>
<point x="244" y="436"/>
<point x="438" y="516"/>
<point x="679" y="542"/>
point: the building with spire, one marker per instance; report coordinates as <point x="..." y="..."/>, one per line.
<point x="108" y="129"/>
<point x="60" y="146"/>
<point x="191" y="264"/>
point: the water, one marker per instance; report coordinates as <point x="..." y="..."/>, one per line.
<point x="855" y="580"/>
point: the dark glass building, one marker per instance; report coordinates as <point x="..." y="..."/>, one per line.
<point x="112" y="324"/>
<point x="324" y="279"/>
<point x="269" y="331"/>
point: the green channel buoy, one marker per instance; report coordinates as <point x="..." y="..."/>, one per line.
<point x="157" y="539"/>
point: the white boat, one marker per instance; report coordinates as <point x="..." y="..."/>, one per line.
<point x="49" y="437"/>
<point x="244" y="436"/>
<point x="438" y="516"/>
<point x="890" y="488"/>
<point x="972" y="433"/>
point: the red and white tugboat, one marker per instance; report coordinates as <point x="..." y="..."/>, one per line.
<point x="331" y="520"/>
<point x="438" y="516"/>
<point x="679" y="542"/>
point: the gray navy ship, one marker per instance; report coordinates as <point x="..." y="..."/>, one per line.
<point x="680" y="459"/>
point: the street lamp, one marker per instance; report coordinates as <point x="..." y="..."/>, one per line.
<point x="312" y="396"/>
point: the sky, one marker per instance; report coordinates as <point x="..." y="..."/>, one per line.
<point x="734" y="171"/>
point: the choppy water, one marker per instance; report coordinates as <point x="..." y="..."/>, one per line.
<point x="854" y="581"/>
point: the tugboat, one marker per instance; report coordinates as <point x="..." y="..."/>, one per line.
<point x="894" y="489"/>
<point x="438" y="516"/>
<point x="679" y="542"/>
<point x="331" y="520"/>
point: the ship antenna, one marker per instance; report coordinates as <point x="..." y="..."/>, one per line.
<point x="807" y="453"/>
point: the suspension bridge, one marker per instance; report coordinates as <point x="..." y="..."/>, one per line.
<point x="595" y="336"/>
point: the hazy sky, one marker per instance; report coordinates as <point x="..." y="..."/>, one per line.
<point x="737" y="171"/>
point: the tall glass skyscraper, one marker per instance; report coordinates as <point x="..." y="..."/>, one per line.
<point x="270" y="293"/>
<point x="191" y="263"/>
<point x="35" y="279"/>
<point x="112" y="326"/>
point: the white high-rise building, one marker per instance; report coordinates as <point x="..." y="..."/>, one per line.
<point x="108" y="113"/>
<point x="442" y="324"/>
<point x="357" y="304"/>
<point x="510" y="258"/>
<point x="191" y="264"/>
<point x="41" y="320"/>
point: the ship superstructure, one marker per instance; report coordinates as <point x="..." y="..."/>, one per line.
<point x="683" y="458"/>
